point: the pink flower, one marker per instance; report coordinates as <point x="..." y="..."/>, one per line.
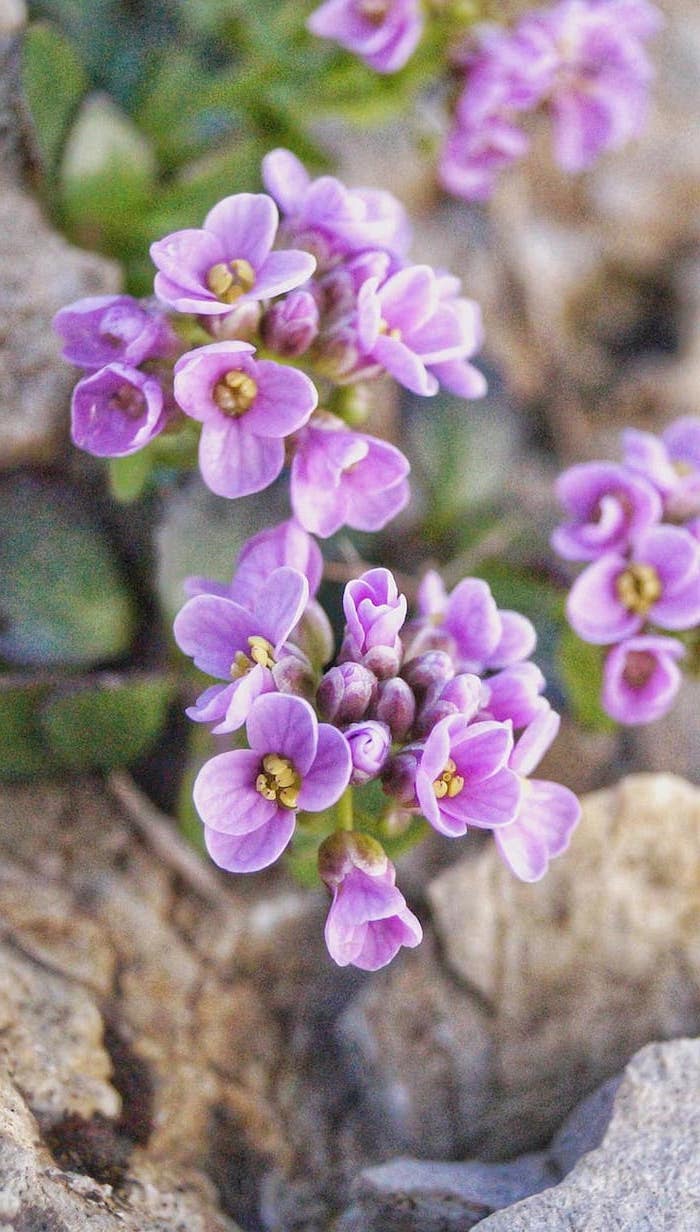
<point x="464" y="778"/>
<point x="385" y="33"/>
<point x="641" y="678"/>
<point x="248" y="798"/>
<point x="368" y="920"/>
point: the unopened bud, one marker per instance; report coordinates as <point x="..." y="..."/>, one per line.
<point x="314" y="635"/>
<point x="428" y="669"/>
<point x="294" y="674"/>
<point x="370" y="745"/>
<point x="290" y="326"/>
<point x="395" y="706"/>
<point x="345" y="850"/>
<point x="241" y="324"/>
<point x="345" y="693"/>
<point x="399" y="776"/>
<point x="384" y="661"/>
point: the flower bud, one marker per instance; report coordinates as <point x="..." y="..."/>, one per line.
<point x="241" y="325"/>
<point x="395" y="706"/>
<point x="384" y="661"/>
<point x="294" y="674"/>
<point x="345" y="693"/>
<point x="463" y="694"/>
<point x="290" y="326"/>
<point x="314" y="635"/>
<point x="345" y="850"/>
<point x="370" y="745"/>
<point x="432" y="667"/>
<point x="399" y="776"/>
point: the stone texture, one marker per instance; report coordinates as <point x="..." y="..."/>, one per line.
<point x="536" y="993"/>
<point x="645" y="1175"/>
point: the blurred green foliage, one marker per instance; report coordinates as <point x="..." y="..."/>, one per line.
<point x="148" y="113"/>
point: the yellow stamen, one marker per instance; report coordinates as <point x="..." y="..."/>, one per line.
<point x="638" y="588"/>
<point x="261" y="652"/>
<point x="235" y="393"/>
<point x="683" y="468"/>
<point x="229" y="281"/>
<point x="449" y="783"/>
<point x="390" y="333"/>
<point x="374" y="10"/>
<point x="279" y="781"/>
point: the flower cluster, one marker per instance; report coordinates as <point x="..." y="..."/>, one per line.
<point x="302" y="291"/>
<point x="638" y="526"/>
<point x="583" y="62"/>
<point x="444" y="711"/>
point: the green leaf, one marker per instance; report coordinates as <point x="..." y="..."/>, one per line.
<point x="128" y="476"/>
<point x="63" y="600"/>
<point x="581" y="669"/>
<point x="23" y="752"/>
<point x="54" y="82"/>
<point x="111" y="723"/>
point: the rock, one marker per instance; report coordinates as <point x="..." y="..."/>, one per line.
<point x="638" y="1136"/>
<point x="587" y="965"/>
<point x="35" y="383"/>
<point x="645" y="1175"/>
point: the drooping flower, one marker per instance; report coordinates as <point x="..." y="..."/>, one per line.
<point x="548" y="812"/>
<point x="463" y="778"/>
<point x="349" y="220"/>
<point x="116" y="411"/>
<point x="342" y="478"/>
<point x="641" y="678"/>
<point x="248" y="798"/>
<point x="607" y="506"/>
<point x="368" y="920"/>
<point x="228" y="260"/>
<point x="105" y="329"/>
<point x="240" y="645"/>
<point x="247" y="408"/>
<point x="384" y="33"/>
<point x="614" y="597"/>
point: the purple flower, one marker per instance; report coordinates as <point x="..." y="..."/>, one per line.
<point x="599" y="94"/>
<point x="240" y="645"/>
<point x="370" y="745"/>
<point x="116" y="411"/>
<point x="384" y="33"/>
<point x="246" y="407"/>
<point x="473" y="156"/>
<point x="514" y="694"/>
<point x="479" y="636"/>
<point x="608" y="506"/>
<point x="368" y="921"/>
<point x="463" y="778"/>
<point x="290" y="326"/>
<point x="248" y="798"/>
<point x="641" y="678"/>
<point x="613" y="597"/>
<point x="229" y="259"/>
<point x="548" y="812"/>
<point x="103" y="329"/>
<point x="462" y="694"/>
<point x="343" y="478"/>
<point x="407" y="325"/>
<point x="270" y="549"/>
<point x="348" y="219"/>
<point x="671" y="463"/>
<point x="374" y="614"/>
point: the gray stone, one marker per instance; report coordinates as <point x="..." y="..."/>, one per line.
<point x="645" y="1175"/>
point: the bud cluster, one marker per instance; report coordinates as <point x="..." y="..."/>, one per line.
<point x="637" y="525"/>
<point x="443" y="711"/>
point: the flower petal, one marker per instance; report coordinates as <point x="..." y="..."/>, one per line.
<point x="247" y="853"/>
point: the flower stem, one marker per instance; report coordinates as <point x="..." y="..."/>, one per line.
<point x="344" y="810"/>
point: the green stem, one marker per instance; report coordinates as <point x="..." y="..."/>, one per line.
<point x="344" y="810"/>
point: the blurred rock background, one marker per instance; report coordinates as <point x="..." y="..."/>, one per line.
<point x="178" y="1051"/>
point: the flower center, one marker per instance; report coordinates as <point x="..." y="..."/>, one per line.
<point x="389" y="333"/>
<point x="638" y="588"/>
<point x="229" y="281"/>
<point x="235" y="393"/>
<point x="449" y="783"/>
<point x="262" y="652"/>
<point x="129" y="401"/>
<point x="374" y="10"/>
<point x="683" y="469"/>
<point x="639" y="668"/>
<point x="278" y="781"/>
